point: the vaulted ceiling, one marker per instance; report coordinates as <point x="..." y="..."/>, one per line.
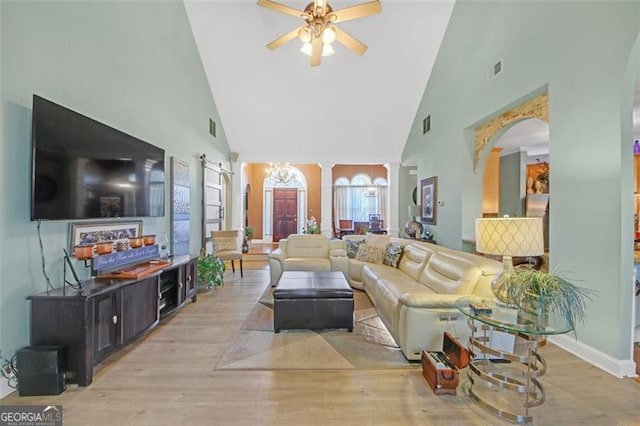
<point x="351" y="109"/>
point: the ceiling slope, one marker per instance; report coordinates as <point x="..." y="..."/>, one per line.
<point x="350" y="109"/>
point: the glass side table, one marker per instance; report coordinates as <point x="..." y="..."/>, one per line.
<point x="493" y="370"/>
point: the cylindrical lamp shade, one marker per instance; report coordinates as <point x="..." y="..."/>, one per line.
<point x="510" y="236"/>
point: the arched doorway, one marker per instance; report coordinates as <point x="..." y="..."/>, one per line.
<point x="285" y="204"/>
<point x="516" y="173"/>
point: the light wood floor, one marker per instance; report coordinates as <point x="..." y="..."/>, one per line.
<point x="168" y="378"/>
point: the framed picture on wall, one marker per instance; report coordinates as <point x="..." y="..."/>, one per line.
<point x="95" y="232"/>
<point x="429" y="200"/>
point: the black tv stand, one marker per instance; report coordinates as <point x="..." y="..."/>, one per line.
<point x="109" y="314"/>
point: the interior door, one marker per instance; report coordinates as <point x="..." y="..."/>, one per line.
<point x="285" y="209"/>
<point x="212" y="210"/>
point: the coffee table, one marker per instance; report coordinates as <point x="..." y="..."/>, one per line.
<point x="312" y="300"/>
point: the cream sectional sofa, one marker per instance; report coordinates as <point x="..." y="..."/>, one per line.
<point x="416" y="300"/>
<point x="307" y="252"/>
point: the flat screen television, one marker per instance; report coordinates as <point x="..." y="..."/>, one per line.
<point x="83" y="169"/>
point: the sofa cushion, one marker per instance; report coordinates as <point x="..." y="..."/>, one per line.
<point x="316" y="246"/>
<point x="352" y="247"/>
<point x="371" y="254"/>
<point x="392" y="255"/>
<point x="376" y="240"/>
<point x="383" y="272"/>
<point x="355" y="270"/>
<point x="306" y="264"/>
<point x="427" y="298"/>
<point x="414" y="259"/>
<point x="448" y="273"/>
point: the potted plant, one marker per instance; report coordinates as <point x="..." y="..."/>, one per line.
<point x="210" y="270"/>
<point x="536" y="294"/>
<point x="248" y="236"/>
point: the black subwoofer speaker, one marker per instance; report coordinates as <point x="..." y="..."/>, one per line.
<point x="41" y="370"/>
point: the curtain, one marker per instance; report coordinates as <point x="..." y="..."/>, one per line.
<point x="382" y="202"/>
<point x="357" y="203"/>
<point x="341" y="203"/>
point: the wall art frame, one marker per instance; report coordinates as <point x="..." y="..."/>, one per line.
<point x="180" y="207"/>
<point x="94" y="232"/>
<point x="429" y="200"/>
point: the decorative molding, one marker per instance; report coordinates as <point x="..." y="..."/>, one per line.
<point x="537" y="107"/>
<point x="616" y="367"/>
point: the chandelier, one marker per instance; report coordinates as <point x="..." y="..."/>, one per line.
<point x="280" y="174"/>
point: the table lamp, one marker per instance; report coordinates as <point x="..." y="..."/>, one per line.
<point x="508" y="237"/>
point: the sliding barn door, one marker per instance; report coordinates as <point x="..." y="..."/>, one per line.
<point x="212" y="210"/>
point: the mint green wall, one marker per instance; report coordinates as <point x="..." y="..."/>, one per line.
<point x="131" y="65"/>
<point x="583" y="53"/>
<point x="3" y="184"/>
<point x="512" y="176"/>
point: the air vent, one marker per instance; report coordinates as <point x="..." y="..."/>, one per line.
<point x="212" y="127"/>
<point x="495" y="69"/>
<point x="426" y="124"/>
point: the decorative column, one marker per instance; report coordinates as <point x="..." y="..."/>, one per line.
<point x="325" y="199"/>
<point x="393" y="182"/>
<point x="237" y="191"/>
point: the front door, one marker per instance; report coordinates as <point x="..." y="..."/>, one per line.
<point x="285" y="208"/>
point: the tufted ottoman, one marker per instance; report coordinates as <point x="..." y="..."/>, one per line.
<point x="313" y="300"/>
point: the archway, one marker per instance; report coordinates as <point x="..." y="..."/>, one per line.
<point x="537" y="107"/>
<point x="276" y="214"/>
<point x="516" y="173"/>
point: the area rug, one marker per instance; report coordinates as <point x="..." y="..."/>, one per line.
<point x="257" y="347"/>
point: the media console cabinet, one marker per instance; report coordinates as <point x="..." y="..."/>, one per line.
<point x="108" y="314"/>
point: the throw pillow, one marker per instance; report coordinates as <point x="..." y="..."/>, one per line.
<point x="392" y="255"/>
<point x="352" y="247"/>
<point x="370" y="254"/>
<point x="224" y="243"/>
<point x="376" y="240"/>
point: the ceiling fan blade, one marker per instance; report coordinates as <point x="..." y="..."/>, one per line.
<point x="359" y="11"/>
<point x="280" y="8"/>
<point x="316" y="51"/>
<point x="284" y="39"/>
<point x="350" y="42"/>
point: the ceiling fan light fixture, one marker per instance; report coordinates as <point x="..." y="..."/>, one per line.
<point x="318" y="31"/>
<point x="305" y="34"/>
<point x="307" y="49"/>
<point x="329" y="34"/>
<point x="327" y="49"/>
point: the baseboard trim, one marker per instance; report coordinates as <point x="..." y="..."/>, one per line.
<point x="613" y="366"/>
<point x="5" y="390"/>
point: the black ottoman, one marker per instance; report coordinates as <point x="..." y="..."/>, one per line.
<point x="313" y="300"/>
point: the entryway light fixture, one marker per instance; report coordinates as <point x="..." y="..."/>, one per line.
<point x="279" y="173"/>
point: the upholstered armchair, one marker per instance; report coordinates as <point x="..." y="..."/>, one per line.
<point x="227" y="245"/>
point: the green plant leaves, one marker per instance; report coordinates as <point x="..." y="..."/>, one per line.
<point x="210" y="270"/>
<point x="552" y="291"/>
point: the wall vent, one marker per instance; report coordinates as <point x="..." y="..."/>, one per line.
<point x="426" y="124"/>
<point x="495" y="69"/>
<point x="212" y="127"/>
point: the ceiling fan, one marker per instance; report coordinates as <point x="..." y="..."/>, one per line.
<point x="319" y="31"/>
